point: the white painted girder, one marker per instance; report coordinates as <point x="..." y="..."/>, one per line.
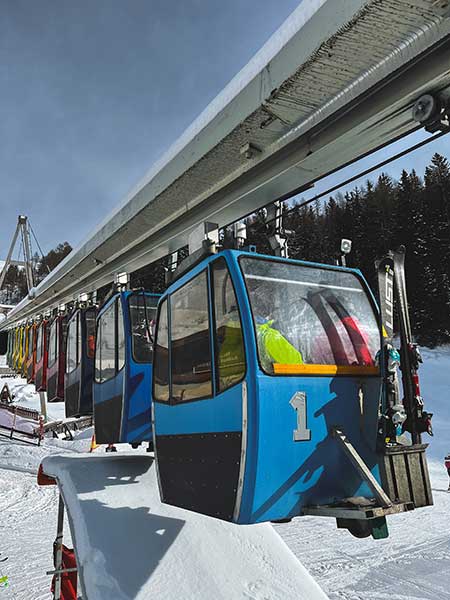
<point x="336" y="81"/>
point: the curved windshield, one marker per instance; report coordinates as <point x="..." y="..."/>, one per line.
<point x="309" y="316"/>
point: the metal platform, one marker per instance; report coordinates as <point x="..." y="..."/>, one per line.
<point x="357" y="512"/>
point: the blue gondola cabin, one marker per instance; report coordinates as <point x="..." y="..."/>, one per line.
<point x="258" y="361"/>
<point x="123" y="368"/>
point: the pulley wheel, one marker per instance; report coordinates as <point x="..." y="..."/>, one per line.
<point x="426" y="108"/>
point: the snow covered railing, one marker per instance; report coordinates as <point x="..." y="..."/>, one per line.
<point x="67" y="426"/>
<point x="24" y="421"/>
<point x="22" y="411"/>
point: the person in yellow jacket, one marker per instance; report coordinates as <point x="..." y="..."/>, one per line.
<point x="273" y="347"/>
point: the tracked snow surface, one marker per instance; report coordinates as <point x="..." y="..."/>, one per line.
<point x="197" y="557"/>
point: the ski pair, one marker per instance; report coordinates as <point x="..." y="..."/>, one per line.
<point x="407" y="415"/>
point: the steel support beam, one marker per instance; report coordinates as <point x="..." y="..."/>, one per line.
<point x="269" y="135"/>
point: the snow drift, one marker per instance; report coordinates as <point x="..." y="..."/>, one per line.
<point x="131" y="546"/>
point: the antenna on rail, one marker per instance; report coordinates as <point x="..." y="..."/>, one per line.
<point x="277" y="234"/>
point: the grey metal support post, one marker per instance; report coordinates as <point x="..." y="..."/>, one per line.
<point x="361" y="467"/>
<point x="43" y="399"/>
<point x="239" y="233"/>
<point x="277" y="234"/>
<point x="23" y="222"/>
<point x="8" y="258"/>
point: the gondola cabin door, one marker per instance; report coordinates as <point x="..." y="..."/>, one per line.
<point x="31" y="358"/>
<point x="11" y="336"/>
<point x="200" y="392"/>
<point x="80" y="349"/>
<point x="25" y="343"/>
<point x="41" y="356"/>
<point x="123" y="368"/>
<point x="56" y="359"/>
<point x="109" y="373"/>
<point x="17" y="344"/>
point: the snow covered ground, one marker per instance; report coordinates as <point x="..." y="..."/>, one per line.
<point x="412" y="564"/>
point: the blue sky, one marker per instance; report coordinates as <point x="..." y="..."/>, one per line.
<point x="92" y="93"/>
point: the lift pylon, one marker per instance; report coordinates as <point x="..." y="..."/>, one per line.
<point x="22" y="228"/>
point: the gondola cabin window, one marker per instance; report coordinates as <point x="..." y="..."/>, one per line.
<point x="161" y="364"/>
<point x="73" y="344"/>
<point x="142" y="317"/>
<point x="110" y="343"/>
<point x="90" y="333"/>
<point x="191" y="375"/>
<point x="52" y="344"/>
<point x="229" y="352"/>
<point x="30" y="341"/>
<point x="188" y="357"/>
<point x="105" y="354"/>
<point x="306" y="317"/>
<point x="183" y="368"/>
<point x="120" y="338"/>
<point x="39" y="342"/>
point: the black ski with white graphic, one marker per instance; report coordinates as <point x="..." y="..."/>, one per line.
<point x="418" y="420"/>
<point x="393" y="414"/>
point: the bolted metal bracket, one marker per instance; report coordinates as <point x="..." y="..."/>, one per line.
<point x="122" y="280"/>
<point x="249" y="150"/>
<point x="442" y="7"/>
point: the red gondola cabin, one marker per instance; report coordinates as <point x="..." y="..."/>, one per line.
<point x="40" y="377"/>
<point x="31" y="357"/>
<point x="56" y="362"/>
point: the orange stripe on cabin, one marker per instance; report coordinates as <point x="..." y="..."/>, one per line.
<point x="354" y="370"/>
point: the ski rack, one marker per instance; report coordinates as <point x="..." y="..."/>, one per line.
<point x="362" y="518"/>
<point x="403" y="468"/>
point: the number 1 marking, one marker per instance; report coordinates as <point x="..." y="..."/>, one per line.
<point x="298" y="403"/>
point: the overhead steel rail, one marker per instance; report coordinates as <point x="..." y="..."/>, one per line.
<point x="335" y="82"/>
